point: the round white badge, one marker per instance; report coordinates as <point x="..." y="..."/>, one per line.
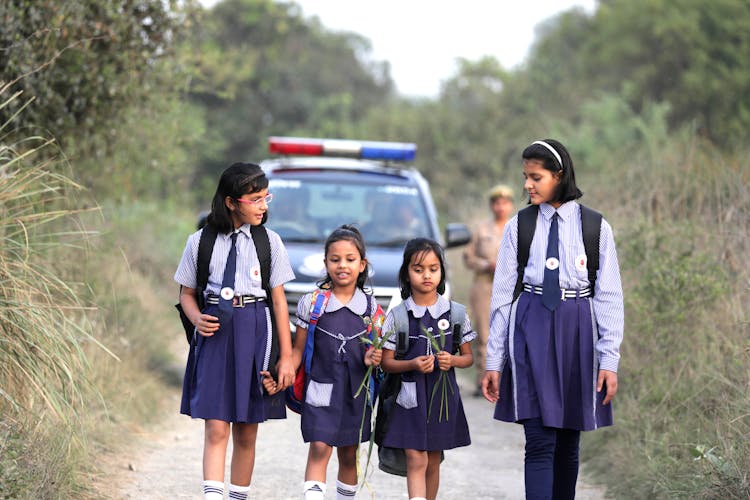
<point x="255" y="273"/>
<point x="581" y="262"/>
<point x="552" y="263"/>
<point x="443" y="324"/>
<point x="227" y="293"/>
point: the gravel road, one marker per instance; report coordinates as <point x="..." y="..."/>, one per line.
<point x="165" y="462"/>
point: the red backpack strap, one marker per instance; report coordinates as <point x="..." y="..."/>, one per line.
<point x="377" y="318"/>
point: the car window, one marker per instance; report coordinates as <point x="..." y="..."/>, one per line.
<point x="387" y="214"/>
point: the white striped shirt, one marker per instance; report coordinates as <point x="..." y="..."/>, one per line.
<point x="248" y="276"/>
<point x="607" y="302"/>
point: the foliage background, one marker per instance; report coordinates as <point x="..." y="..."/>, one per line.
<point x="145" y="103"/>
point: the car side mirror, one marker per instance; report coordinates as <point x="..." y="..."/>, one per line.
<point x="456" y="234"/>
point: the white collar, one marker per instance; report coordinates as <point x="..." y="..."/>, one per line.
<point x="357" y="304"/>
<point x="440" y="307"/>
<point x="564" y="211"/>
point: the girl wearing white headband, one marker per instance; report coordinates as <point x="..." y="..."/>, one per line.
<point x="555" y="335"/>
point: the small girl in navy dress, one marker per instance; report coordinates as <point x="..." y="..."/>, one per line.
<point x="558" y="352"/>
<point x="416" y="424"/>
<point x="223" y="382"/>
<point x="331" y="415"/>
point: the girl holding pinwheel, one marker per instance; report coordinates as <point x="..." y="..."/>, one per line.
<point x="334" y="407"/>
<point x="428" y="416"/>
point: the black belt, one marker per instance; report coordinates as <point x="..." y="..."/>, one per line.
<point x="238" y="301"/>
<point x="564" y="294"/>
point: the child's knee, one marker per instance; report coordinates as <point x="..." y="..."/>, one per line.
<point x="347" y="457"/>
<point x="217" y="432"/>
<point x="433" y="461"/>
<point x="244" y="436"/>
<point x="416" y="460"/>
<point x="320" y="451"/>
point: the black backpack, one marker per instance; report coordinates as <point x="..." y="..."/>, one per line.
<point x="591" y="222"/>
<point x="205" y="249"/>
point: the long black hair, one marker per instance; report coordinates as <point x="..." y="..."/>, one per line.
<point x="566" y="189"/>
<point x="238" y="179"/>
<point x="350" y="233"/>
<point x="420" y="246"/>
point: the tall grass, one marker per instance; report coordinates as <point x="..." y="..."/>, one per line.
<point x="683" y="412"/>
<point x="45" y="378"/>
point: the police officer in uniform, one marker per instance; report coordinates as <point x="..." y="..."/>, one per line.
<point x="480" y="256"/>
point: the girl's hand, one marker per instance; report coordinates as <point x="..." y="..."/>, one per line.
<point x="286" y="371"/>
<point x="491" y="386"/>
<point x="269" y="383"/>
<point x="445" y="360"/>
<point x="608" y="379"/>
<point x="424" y="364"/>
<point x="207" y="325"/>
<point x="373" y="357"/>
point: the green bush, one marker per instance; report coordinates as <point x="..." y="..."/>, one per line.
<point x="682" y="414"/>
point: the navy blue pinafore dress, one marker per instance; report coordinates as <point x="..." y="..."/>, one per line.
<point x="330" y="412"/>
<point x="222" y="378"/>
<point x="410" y="427"/>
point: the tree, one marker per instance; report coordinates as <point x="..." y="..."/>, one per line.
<point x="82" y="61"/>
<point x="262" y="69"/>
<point x="688" y="53"/>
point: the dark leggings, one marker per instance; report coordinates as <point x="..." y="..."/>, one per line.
<point x="551" y="462"/>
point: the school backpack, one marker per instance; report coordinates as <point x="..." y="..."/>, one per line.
<point x="393" y="460"/>
<point x="295" y="394"/>
<point x="205" y="249"/>
<point x="591" y="222"/>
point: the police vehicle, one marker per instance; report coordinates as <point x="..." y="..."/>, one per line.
<point x="320" y="184"/>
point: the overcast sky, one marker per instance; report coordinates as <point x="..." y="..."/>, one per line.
<point x="421" y="39"/>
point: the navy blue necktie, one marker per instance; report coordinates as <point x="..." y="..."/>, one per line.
<point x="551" y="284"/>
<point x="227" y="283"/>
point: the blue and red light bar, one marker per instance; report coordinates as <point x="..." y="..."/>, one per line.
<point x="367" y="150"/>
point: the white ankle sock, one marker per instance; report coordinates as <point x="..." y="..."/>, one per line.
<point x="238" y="492"/>
<point x="345" y="491"/>
<point x="213" y="490"/>
<point x="314" y="490"/>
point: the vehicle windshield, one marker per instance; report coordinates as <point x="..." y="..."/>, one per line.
<point x="387" y="214"/>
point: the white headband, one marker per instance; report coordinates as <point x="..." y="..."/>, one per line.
<point x="552" y="150"/>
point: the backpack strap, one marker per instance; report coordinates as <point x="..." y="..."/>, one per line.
<point x="458" y="316"/>
<point x="591" y="227"/>
<point x="591" y="222"/>
<point x="318" y="304"/>
<point x="263" y="251"/>
<point x="377" y="317"/>
<point x="205" y="249"/>
<point x="375" y="331"/>
<point x="526" y="227"/>
<point x="401" y="322"/>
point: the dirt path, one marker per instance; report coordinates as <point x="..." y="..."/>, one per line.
<point x="166" y="462"/>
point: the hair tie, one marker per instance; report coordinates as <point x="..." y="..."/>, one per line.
<point x="552" y="150"/>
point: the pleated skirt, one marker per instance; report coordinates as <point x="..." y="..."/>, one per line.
<point x="222" y="377"/>
<point x="552" y="367"/>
